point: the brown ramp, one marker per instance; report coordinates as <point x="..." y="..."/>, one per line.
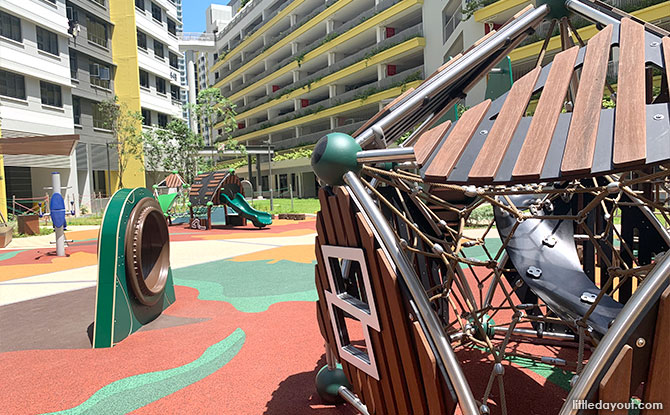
<point x="581" y="141"/>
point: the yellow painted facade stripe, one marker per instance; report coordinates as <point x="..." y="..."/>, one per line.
<point x="485" y="13"/>
<point x="344" y="37"/>
<point x="331" y="112"/>
<point x="257" y="33"/>
<point x="411" y="45"/>
<point x="127" y="79"/>
<point x="655" y="12"/>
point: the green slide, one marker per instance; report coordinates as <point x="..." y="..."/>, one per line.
<point x="239" y="205"/>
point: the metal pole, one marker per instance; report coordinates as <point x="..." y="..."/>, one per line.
<point x="109" y="170"/>
<point x="443" y="351"/>
<point x="270" y="180"/>
<point x="59" y="231"/>
<point x="352" y="400"/>
<point x="398" y="154"/>
<point x="290" y="190"/>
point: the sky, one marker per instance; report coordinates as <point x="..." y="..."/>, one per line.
<point x="194" y="13"/>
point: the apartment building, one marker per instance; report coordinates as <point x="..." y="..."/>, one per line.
<point x="299" y="69"/>
<point x="35" y="93"/>
<point x="60" y="59"/>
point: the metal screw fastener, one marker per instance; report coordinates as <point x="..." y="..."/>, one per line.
<point x="534" y="272"/>
<point x="658" y="117"/>
<point x="588" y="297"/>
<point x="437" y="248"/>
<point x="403" y="243"/>
<point x="484" y="410"/>
<point x="550" y="241"/>
<point x="654" y="44"/>
<point x="484" y="132"/>
<point x="518" y="283"/>
<point x="498" y="369"/>
<point x="640" y="342"/>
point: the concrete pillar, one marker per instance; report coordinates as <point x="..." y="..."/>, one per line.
<point x="88" y="180"/>
<point x="333" y="123"/>
<point x="294" y="48"/>
<point x="296" y="104"/>
<point x="73" y="183"/>
<point x="297" y="132"/>
<point x="296" y="76"/>
<point x="331" y="58"/>
<point x="381" y="72"/>
<point x="293" y="19"/>
<point x="190" y="75"/>
<point x="332" y="91"/>
<point x="380" y="33"/>
<point x="330" y="25"/>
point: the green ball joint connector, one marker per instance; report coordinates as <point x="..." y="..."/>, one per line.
<point x="334" y="156"/>
<point x="328" y="384"/>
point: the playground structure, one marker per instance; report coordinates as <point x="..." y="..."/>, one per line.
<point x="222" y="191"/>
<point x="167" y="193"/>
<point x="575" y="257"/>
<point x="134" y="275"/>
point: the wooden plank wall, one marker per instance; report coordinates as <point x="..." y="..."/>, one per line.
<point x="410" y="381"/>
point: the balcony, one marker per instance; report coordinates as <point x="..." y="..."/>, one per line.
<point x="400" y="37"/>
<point x="199" y="41"/>
<point x="360" y="93"/>
<point x="342" y="29"/>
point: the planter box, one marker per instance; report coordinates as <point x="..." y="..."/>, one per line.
<point x="5" y="235"/>
<point x="292" y="216"/>
<point x="29" y="224"/>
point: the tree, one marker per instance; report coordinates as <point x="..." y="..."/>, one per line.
<point x="125" y="125"/>
<point x="211" y="108"/>
<point x="174" y="147"/>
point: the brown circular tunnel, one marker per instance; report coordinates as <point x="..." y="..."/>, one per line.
<point x="147" y="251"/>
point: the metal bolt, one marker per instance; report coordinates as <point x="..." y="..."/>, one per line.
<point x="588" y="297"/>
<point x="573" y="381"/>
<point x="550" y="241"/>
<point x="484" y="410"/>
<point x="484" y="132"/>
<point x="640" y="342"/>
<point x="498" y="369"/>
<point x="534" y="272"/>
<point x="403" y="243"/>
<point x="654" y="44"/>
<point x="518" y="283"/>
<point x="437" y="248"/>
<point x="443" y="223"/>
<point x="658" y="117"/>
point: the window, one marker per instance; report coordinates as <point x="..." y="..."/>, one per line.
<point x="141" y="40"/>
<point x="144" y="79"/>
<point x="139" y="4"/>
<point x="10" y="27"/>
<point x="100" y="2"/>
<point x="160" y="85"/>
<point x="159" y="49"/>
<point x="97" y="31"/>
<point x="172" y="27"/>
<point x="76" y="110"/>
<point x="156" y="12"/>
<point x="174" y="92"/>
<point x="12" y="85"/>
<point x="74" y="67"/>
<point x="174" y="60"/>
<point x="146" y="117"/>
<point x="47" y="41"/>
<point x="99" y="118"/>
<point x="162" y="120"/>
<point x="50" y="94"/>
<point x="99" y="74"/>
